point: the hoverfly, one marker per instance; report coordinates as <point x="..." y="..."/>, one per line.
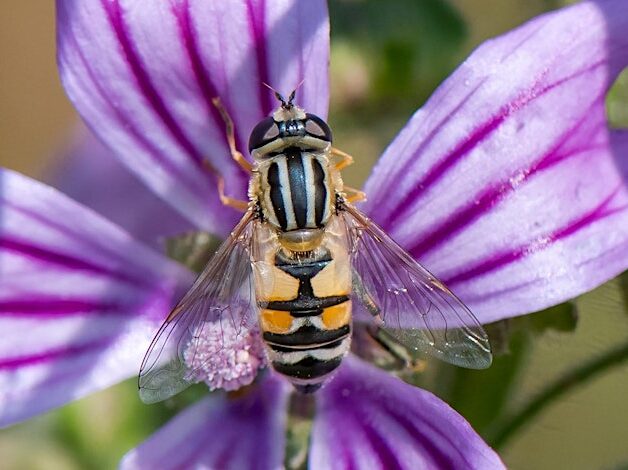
<point x="301" y="263"/>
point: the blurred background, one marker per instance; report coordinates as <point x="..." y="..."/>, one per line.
<point x="387" y="58"/>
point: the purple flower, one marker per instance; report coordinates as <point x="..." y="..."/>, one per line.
<point x="507" y="184"/>
<point x="365" y="418"/>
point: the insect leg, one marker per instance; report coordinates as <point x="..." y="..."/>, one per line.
<point x="345" y="161"/>
<point x="356" y="194"/>
<point x="237" y="204"/>
<point x="366" y="298"/>
<point x="383" y="339"/>
<point x="395" y="350"/>
<point x="235" y="154"/>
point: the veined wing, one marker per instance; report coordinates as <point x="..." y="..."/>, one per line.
<point x="410" y="303"/>
<point x="222" y="297"/>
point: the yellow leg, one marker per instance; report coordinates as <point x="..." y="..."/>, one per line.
<point x="237" y="204"/>
<point x="346" y="158"/>
<point x="235" y="154"/>
<point x="356" y="194"/>
<point x="418" y="365"/>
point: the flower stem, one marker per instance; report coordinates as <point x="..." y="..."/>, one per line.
<point x="505" y="430"/>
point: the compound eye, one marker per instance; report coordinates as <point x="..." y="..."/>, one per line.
<point x="265" y="131"/>
<point x="316" y="127"/>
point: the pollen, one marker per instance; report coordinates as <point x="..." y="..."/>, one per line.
<point x="225" y="357"/>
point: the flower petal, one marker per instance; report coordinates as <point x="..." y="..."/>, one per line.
<point x="368" y="419"/>
<point x="79" y="299"/>
<point x="221" y="432"/>
<point x="91" y="175"/>
<point x="506" y="184"/>
<point x="143" y="75"/>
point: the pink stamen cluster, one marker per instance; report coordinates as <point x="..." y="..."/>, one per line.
<point x="225" y="357"/>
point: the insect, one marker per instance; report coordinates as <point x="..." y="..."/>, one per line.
<point x="301" y="263"/>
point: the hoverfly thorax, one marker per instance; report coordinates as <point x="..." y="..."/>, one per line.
<point x="295" y="188"/>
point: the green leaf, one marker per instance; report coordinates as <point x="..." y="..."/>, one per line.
<point x="98" y="430"/>
<point x="616" y="99"/>
<point x="503" y="430"/>
<point x="481" y="395"/>
<point x="193" y="249"/>
<point x="623" y="287"/>
<point x="562" y="317"/>
<point x="298" y="431"/>
<point x="410" y="46"/>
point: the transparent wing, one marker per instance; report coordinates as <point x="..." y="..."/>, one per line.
<point x="408" y="302"/>
<point x="221" y="299"/>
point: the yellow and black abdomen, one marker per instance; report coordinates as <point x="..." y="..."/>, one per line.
<point x="305" y="314"/>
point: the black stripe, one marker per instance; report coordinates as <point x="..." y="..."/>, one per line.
<point x="302" y="304"/>
<point x="306" y="347"/>
<point x="308" y="368"/>
<point x="275" y="195"/>
<point x="307" y="335"/>
<point x="306" y="313"/>
<point x="320" y="191"/>
<point x="306" y="304"/>
<point x="298" y="189"/>
<point x="307" y="388"/>
<point x="305" y="271"/>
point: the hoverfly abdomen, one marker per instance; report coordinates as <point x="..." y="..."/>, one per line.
<point x="305" y="312"/>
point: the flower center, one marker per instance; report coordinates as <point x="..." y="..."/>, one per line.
<point x="225" y="357"/>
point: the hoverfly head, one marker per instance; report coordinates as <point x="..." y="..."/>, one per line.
<point x="289" y="125"/>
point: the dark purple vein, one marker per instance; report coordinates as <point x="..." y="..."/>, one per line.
<point x="497" y="261"/>
<point x="53" y="354"/>
<point x="439" y="169"/>
<point x="465" y="147"/>
<point x="144" y="83"/>
<point x="42" y="307"/>
<point x="181" y="11"/>
<point x="494" y="194"/>
<point x="230" y="448"/>
<point x="385" y="218"/>
<point x="154" y="152"/>
<point x="73" y="235"/>
<point x="47" y="255"/>
<point x="301" y="47"/>
<point x="387" y="455"/>
<point x="442" y="459"/>
<point x="380" y="447"/>
<point x="257" y="25"/>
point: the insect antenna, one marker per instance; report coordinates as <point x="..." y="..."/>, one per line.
<point x="279" y="96"/>
<point x="285" y="104"/>
<point x="294" y="92"/>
